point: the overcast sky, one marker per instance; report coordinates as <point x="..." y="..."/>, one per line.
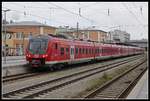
<point x="132" y="17"/>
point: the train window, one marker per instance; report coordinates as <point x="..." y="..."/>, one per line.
<point x="83" y="50"/>
<point x="62" y="51"/>
<point x="89" y="51"/>
<point x="80" y="50"/>
<point x="96" y="51"/>
<point x="56" y="46"/>
<point x="67" y="50"/>
<point x="76" y="50"/>
<point x="86" y="50"/>
<point x="99" y="50"/>
<point x="102" y="50"/>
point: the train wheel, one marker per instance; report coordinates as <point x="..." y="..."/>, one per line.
<point x="59" y="66"/>
<point x="51" y="69"/>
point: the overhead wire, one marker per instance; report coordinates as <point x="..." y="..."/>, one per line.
<point x="37" y="16"/>
<point x="132" y="14"/>
<point x="71" y="12"/>
<point x="59" y="21"/>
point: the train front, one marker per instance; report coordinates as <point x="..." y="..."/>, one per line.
<point x="36" y="52"/>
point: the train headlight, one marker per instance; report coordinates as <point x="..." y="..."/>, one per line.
<point x="44" y="56"/>
<point x="28" y="55"/>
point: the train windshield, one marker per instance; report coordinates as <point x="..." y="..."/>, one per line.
<point x="38" y="46"/>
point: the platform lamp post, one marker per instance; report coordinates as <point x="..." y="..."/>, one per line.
<point x="5" y="33"/>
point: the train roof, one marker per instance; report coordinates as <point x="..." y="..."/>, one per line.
<point x="60" y="37"/>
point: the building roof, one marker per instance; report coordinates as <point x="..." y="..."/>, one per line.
<point x="92" y="30"/>
<point x="28" y="23"/>
<point x="138" y="41"/>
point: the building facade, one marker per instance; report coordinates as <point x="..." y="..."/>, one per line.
<point x="20" y="32"/>
<point x="93" y="35"/>
<point x="86" y="34"/>
<point x="118" y="36"/>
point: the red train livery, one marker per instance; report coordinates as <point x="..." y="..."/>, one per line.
<point x="49" y="50"/>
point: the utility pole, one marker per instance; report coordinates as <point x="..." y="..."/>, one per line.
<point x="108" y="11"/>
<point x="141" y="9"/>
<point x="77" y="29"/>
<point x="5" y="34"/>
<point x="23" y="43"/>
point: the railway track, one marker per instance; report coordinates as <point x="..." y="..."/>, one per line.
<point x="14" y="78"/>
<point x="47" y="86"/>
<point x="120" y="86"/>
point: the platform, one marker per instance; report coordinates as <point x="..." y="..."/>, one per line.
<point x="140" y="91"/>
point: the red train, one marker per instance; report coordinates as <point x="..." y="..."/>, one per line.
<point x="52" y="50"/>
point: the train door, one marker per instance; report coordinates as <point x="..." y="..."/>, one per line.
<point x="72" y="53"/>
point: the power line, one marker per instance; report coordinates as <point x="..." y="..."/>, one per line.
<point x="57" y="8"/>
<point x="132" y="13"/>
<point x="139" y="8"/>
<point x="71" y="12"/>
<point x="141" y="24"/>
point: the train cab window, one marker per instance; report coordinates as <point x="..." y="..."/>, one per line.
<point x="62" y="51"/>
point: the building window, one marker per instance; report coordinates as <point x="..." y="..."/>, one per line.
<point x="19" y="35"/>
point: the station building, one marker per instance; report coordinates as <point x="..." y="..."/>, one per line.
<point x="118" y="36"/>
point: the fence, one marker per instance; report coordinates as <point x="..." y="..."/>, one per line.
<point x="13" y="52"/>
